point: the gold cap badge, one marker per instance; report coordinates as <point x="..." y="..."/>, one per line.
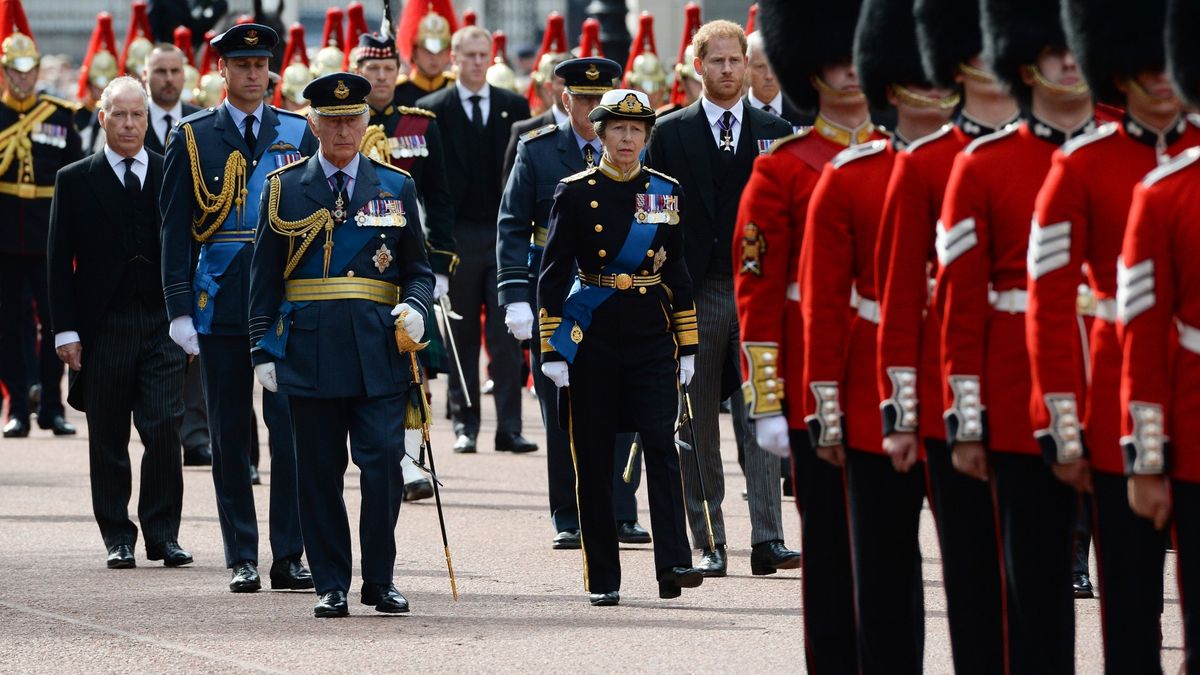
<point x="251" y="37"/>
<point x="341" y="91"/>
<point x="592" y="73"/>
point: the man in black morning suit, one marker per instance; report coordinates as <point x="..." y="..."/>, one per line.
<point x="110" y="328"/>
<point x="710" y="147"/>
<point x="476" y="119"/>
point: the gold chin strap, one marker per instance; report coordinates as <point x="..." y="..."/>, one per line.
<point x="1080" y="87"/>
<point x="1136" y="89"/>
<point x="912" y="98"/>
<point x="215" y="208"/>
<point x="307" y="228"/>
<point x="977" y="74"/>
<point x="822" y="86"/>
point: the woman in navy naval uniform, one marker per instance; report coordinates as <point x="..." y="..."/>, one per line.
<point x="618" y="329"/>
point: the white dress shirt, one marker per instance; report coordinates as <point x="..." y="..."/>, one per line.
<point x="159" y="125"/>
<point x="239" y="117"/>
<point x="775" y="103"/>
<point x="559" y="115"/>
<point x="465" y="95"/>
<point x="714" y="113"/>
<point x="351" y="171"/>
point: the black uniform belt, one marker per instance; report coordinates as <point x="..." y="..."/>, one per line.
<point x="26" y="190"/>
<point x="621" y="282"/>
<point x="231" y="237"/>
<point x="341" y="288"/>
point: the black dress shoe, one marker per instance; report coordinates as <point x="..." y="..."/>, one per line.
<point x="567" y="539"/>
<point x="769" y="556"/>
<point x="201" y="456"/>
<point x="712" y="563"/>
<point x="1082" y="585"/>
<point x="170" y="553"/>
<point x="59" y="425"/>
<point x="120" y="557"/>
<point x="464" y="444"/>
<point x="672" y="581"/>
<point x="35" y="396"/>
<point x="16" y="428"/>
<point x="288" y="574"/>
<point x="245" y="578"/>
<point x="631" y="532"/>
<point x="417" y="490"/>
<point x="608" y="599"/>
<point x="385" y="598"/>
<point x="515" y="443"/>
<point x="331" y="605"/>
<point x="255" y="479"/>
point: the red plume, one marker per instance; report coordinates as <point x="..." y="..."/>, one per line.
<point x="209" y="57"/>
<point x="691" y="24"/>
<point x="102" y="38"/>
<point x="589" y="43"/>
<point x="183" y="40"/>
<point x="499" y="46"/>
<point x="752" y="19"/>
<point x="139" y="26"/>
<point x="643" y="43"/>
<point x="333" y="29"/>
<point x="410" y="20"/>
<point x="470" y="18"/>
<point x="554" y="41"/>
<point x="12" y="20"/>
<point x="356" y="25"/>
<point x="294" y="51"/>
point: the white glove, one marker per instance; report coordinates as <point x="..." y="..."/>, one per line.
<point x="414" y="325"/>
<point x="265" y="372"/>
<point x="518" y="316"/>
<point x="183" y="333"/>
<point x="772" y="435"/>
<point x="687" y="368"/>
<point x="557" y="372"/>
<point x="441" y="286"/>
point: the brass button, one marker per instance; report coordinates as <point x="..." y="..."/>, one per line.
<point x="647" y="185"/>
<point x="644" y="273"/>
<point x="591" y="181"/>
<point x="642" y="290"/>
<point x="649" y="254"/>
<point x="595" y="203"/>
<point x="603" y="253"/>
<point x="350" y="273"/>
<point x="599" y="227"/>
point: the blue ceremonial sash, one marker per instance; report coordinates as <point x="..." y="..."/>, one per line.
<point x="214" y="260"/>
<point x="583" y="300"/>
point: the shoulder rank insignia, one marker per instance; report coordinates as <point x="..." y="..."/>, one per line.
<point x="858" y="152"/>
<point x="576" y="176"/>
<point x="538" y="132"/>
<point x="754" y="246"/>
<point x="408" y="110"/>
<point x="660" y="174"/>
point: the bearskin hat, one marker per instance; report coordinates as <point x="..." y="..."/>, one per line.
<point x="1112" y="43"/>
<point x="802" y="36"/>
<point x="1014" y="33"/>
<point x="948" y="36"/>
<point x="885" y="49"/>
<point x="1183" y="50"/>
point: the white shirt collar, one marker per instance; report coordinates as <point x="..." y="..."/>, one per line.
<point x="465" y="94"/>
<point x="775" y="103"/>
<point x="581" y="142"/>
<point x="156" y="112"/>
<point x="116" y="160"/>
<point x="714" y="111"/>
<point x="239" y="117"/>
<point x="350" y="170"/>
<point x="559" y="116"/>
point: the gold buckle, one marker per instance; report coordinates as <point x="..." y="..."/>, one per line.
<point x="623" y="282"/>
<point x="26" y="190"/>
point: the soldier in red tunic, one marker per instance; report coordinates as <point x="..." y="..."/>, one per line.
<point x="981" y="248"/>
<point x="1079" y="223"/>
<point x="1158" y="294"/>
<point x="910" y="388"/>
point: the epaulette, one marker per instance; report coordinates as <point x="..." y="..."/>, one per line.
<point x="1101" y="132"/>
<point x="385" y="165"/>
<point x="286" y="167"/>
<point x="402" y="78"/>
<point x="538" y="132"/>
<point x="804" y="131"/>
<point x="660" y="174"/>
<point x="883" y="130"/>
<point x="994" y="136"/>
<point x="926" y="140"/>
<point x="408" y="110"/>
<point x="449" y="75"/>
<point x="858" y="152"/>
<point x="1194" y="118"/>
<point x="287" y="113"/>
<point x="1184" y="159"/>
<point x="61" y="102"/>
<point x="582" y="174"/>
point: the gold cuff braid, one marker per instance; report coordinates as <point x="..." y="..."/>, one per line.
<point x="763" y="389"/>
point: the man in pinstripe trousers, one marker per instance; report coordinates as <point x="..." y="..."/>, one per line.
<point x="710" y="148"/>
<point x="110" y="328"/>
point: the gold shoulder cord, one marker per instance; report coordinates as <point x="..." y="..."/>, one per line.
<point x="308" y="228"/>
<point x="235" y="181"/>
<point x="375" y="144"/>
<point x="16" y="144"/>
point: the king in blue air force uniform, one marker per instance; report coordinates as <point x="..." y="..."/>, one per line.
<point x="217" y="163"/>
<point x="340" y="270"/>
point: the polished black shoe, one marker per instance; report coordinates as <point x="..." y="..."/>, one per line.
<point x="288" y="574"/>
<point x="1082" y="585"/>
<point x="245" y="578"/>
<point x="712" y="563"/>
<point x="464" y="444"/>
<point x="567" y="539"/>
<point x="201" y="456"/>
<point x="170" y="553"/>
<point x="385" y="598"/>
<point x="35" y="396"/>
<point x="631" y="532"/>
<point x="120" y="557"/>
<point x="608" y="599"/>
<point x="255" y="479"/>
<point x="417" y="490"/>
<point x="59" y="425"/>
<point x="16" y="428"/>
<point x="672" y="582"/>
<point x="331" y="605"/>
<point x="769" y="556"/>
<point x="515" y="443"/>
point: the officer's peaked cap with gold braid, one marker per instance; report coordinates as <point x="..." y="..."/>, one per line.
<point x="338" y="94"/>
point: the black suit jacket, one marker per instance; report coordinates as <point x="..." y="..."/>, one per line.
<point x="791" y="114"/>
<point x="152" y="142"/>
<point x="519" y="129"/>
<point x="505" y="109"/>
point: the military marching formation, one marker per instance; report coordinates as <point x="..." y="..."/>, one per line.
<point x="923" y="250"/>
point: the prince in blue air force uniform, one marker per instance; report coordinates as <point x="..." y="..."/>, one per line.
<point x="339" y="271"/>
<point x="217" y="162"/>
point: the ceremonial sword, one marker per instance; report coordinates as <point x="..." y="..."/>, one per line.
<point x="687" y="419"/>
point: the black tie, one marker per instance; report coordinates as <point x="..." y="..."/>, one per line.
<point x="767" y="107"/>
<point x="170" y="123"/>
<point x="726" y="126"/>
<point x="249" y="136"/>
<point x="340" y="179"/>
<point x="132" y="184"/>
<point x="476" y="111"/>
<point x="589" y="155"/>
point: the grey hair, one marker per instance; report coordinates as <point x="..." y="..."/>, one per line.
<point x="118" y="86"/>
<point x="754" y="43"/>
<point x="468" y="33"/>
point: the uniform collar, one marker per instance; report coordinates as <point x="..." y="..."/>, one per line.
<point x="239" y="117"/>
<point x="975" y="128"/>
<point x="429" y="84"/>
<point x="844" y="136"/>
<point x="899" y="142"/>
<point x="1159" y="140"/>
<point x="609" y="169"/>
<point x="386" y="111"/>
<point x="327" y="167"/>
<point x="1052" y="134"/>
<point x="19" y="105"/>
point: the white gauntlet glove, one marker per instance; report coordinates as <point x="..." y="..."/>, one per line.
<point x="265" y="372"/>
<point x="687" y="368"/>
<point x="518" y="316"/>
<point x="441" y="286"/>
<point x="183" y="333"/>
<point x="413" y="324"/>
<point x="557" y="372"/>
<point x="772" y="435"/>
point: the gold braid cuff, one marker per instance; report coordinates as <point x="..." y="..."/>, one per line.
<point x="215" y="208"/>
<point x="307" y="228"/>
<point x="763" y="388"/>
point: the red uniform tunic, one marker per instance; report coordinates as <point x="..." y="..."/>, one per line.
<point x="981" y="245"/>
<point x="1079" y="221"/>
<point x="837" y="259"/>
<point x="1159" y="289"/>
<point x="766" y="252"/>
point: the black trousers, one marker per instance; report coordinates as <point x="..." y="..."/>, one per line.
<point x="1129" y="558"/>
<point x="560" y="470"/>
<point x="830" y="638"/>
<point x="966" y="526"/>
<point x="132" y="367"/>
<point x="375" y="427"/>
<point x="885" y="514"/>
<point x="1036" y="515"/>
<point x="228" y="391"/>
<point x="1186" y="509"/>
<point x="18" y="273"/>
<point x="193" y="431"/>
<point x="472" y="290"/>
